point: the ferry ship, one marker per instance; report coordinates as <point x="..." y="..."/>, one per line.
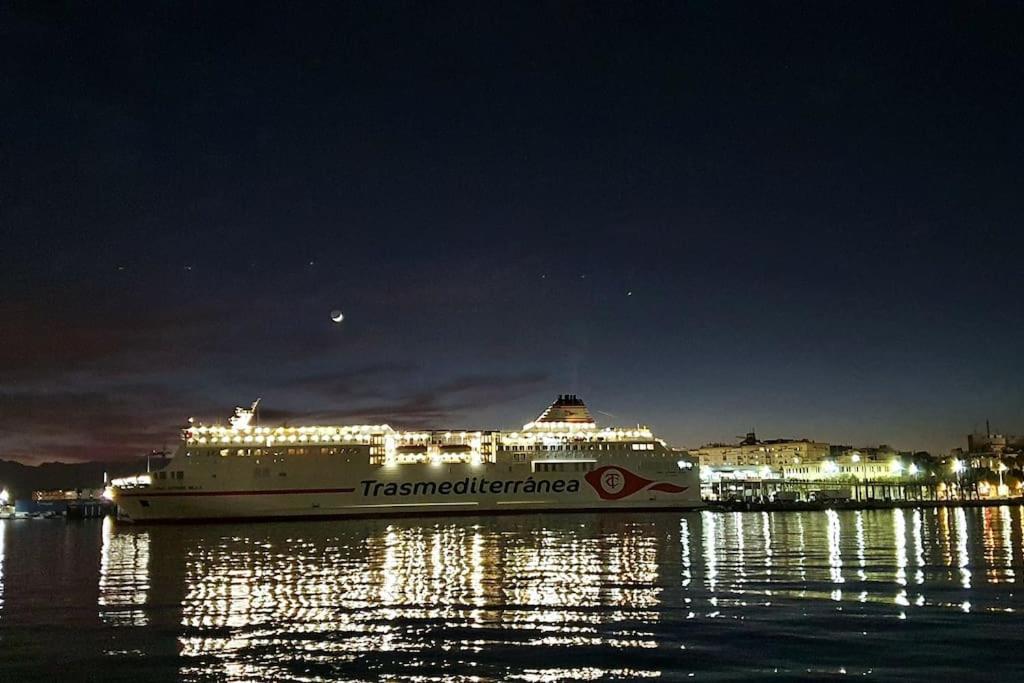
<point x="562" y="461"/>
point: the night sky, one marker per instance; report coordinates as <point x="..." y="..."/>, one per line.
<point x="804" y="218"/>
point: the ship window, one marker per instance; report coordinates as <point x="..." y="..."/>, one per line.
<point x="224" y="452"/>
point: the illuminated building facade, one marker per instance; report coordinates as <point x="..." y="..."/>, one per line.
<point x="855" y="464"/>
<point x="752" y="453"/>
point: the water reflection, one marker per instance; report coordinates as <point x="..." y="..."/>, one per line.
<point x="394" y="591"/>
<point x="963" y="562"/>
<point x="537" y="598"/>
<point x="835" y="556"/>
<point x="1006" y="542"/>
<point x="710" y="540"/>
<point x="124" y="576"/>
<point x="918" y="547"/>
<point x="3" y="531"/>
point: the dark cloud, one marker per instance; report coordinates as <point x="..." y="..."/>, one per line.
<point x="361" y="382"/>
<point x="87" y="333"/>
<point x="435" y="407"/>
<point x="37" y="426"/>
<point x="136" y="418"/>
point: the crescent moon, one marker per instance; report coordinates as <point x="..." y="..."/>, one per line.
<point x="337" y="316"/>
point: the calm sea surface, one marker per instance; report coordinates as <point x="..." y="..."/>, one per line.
<point x="911" y="594"/>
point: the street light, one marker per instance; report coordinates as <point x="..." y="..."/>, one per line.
<point x="958" y="468"/>
<point x="913" y="470"/>
<point x="5" y="497"/>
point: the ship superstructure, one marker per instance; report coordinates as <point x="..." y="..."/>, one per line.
<point x="561" y="461"/>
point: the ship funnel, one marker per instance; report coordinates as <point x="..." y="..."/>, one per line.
<point x="568" y="408"/>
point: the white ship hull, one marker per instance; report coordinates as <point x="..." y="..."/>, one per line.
<point x="416" y="490"/>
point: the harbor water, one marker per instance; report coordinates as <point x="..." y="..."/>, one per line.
<point x="914" y="594"/>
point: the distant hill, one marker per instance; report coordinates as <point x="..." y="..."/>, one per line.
<point x="21" y="480"/>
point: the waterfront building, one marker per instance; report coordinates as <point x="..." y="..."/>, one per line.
<point x="864" y="465"/>
<point x="754" y="454"/>
<point x="66" y="495"/>
<point x="988" y="450"/>
<point x="993" y="444"/>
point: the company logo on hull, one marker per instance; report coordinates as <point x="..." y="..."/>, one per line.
<point x="614" y="483"/>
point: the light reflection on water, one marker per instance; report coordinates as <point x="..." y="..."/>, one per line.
<point x="124" y="576"/>
<point x="542" y="598"/>
<point x="3" y="532"/>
